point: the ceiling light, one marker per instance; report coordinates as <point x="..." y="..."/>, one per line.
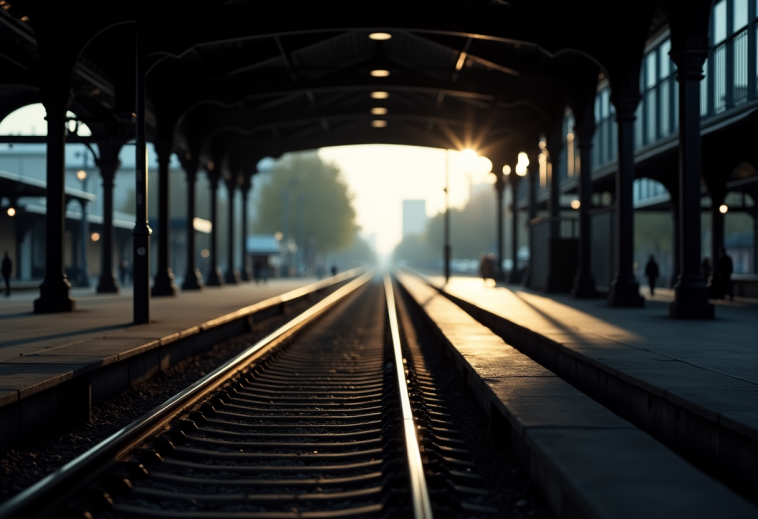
<point x="380" y="73"/>
<point x="378" y="123"/>
<point x="379" y="95"/>
<point x="723" y="208"/>
<point x="11" y="211"/>
<point x="380" y="36"/>
<point x="95" y="236"/>
<point x="576" y="204"/>
<point x="379" y="110"/>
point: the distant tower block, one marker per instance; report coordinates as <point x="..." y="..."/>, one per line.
<point x="414" y="217"/>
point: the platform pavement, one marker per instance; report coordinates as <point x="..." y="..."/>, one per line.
<point x="42" y="351"/>
<point x="22" y="332"/>
<point x="708" y="369"/>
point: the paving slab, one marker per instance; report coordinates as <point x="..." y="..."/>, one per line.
<point x="642" y="364"/>
<point x="588" y="461"/>
<point x="660" y="488"/>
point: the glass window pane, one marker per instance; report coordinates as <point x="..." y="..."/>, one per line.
<point x="665" y="48"/>
<point x="605" y="100"/>
<point x="665" y="107"/>
<point x="739" y="18"/>
<point x="651" y="72"/>
<point x="719" y="22"/>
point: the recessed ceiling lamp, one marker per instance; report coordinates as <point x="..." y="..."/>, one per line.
<point x="380" y="73"/>
<point x="378" y="124"/>
<point x="379" y="110"/>
<point x="380" y="36"/>
<point x="379" y="95"/>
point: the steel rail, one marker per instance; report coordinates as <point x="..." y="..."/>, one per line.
<point x="47" y="492"/>
<point x="422" y="507"/>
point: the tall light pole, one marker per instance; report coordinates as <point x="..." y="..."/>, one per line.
<point x="520" y="171"/>
<point x="447" y="248"/>
<point x="83" y="275"/>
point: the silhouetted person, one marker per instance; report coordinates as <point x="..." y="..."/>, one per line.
<point x="722" y="275"/>
<point x="487" y="267"/>
<point x="652" y="273"/>
<point x="7" y="268"/>
<point x="334" y="270"/>
<point x="705" y="270"/>
<point x="122" y="272"/>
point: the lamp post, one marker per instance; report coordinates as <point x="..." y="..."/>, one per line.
<point x="83" y="275"/>
<point x="447" y="249"/>
<point x="520" y="171"/>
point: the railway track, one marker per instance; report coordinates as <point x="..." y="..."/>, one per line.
<point x="332" y="415"/>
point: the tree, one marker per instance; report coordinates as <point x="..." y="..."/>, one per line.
<point x="303" y="182"/>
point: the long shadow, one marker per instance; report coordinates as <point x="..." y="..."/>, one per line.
<point x="67" y="334"/>
<point x="547" y="316"/>
<point x="16" y="315"/>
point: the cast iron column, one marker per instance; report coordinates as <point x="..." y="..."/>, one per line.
<point x="514" y="274"/>
<point x="54" y="292"/>
<point x="108" y="164"/>
<point x="533" y="172"/>
<point x="142" y="231"/>
<point x="554" y="146"/>
<point x="625" y="290"/>
<point x="690" y="292"/>
<point x="232" y="276"/>
<point x="499" y="192"/>
<point x="215" y="278"/>
<point x="246" y="273"/>
<point x="164" y="278"/>
<point x="584" y="283"/>
<point x="717" y="226"/>
<point x="83" y="244"/>
<point x="193" y="280"/>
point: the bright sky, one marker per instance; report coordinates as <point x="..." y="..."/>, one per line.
<point x="380" y="176"/>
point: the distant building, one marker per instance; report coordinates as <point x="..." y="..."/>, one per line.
<point x="414" y="217"/>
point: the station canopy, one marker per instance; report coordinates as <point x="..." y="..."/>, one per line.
<point x="240" y="80"/>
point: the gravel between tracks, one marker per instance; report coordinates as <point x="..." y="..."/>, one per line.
<point x="58" y="444"/>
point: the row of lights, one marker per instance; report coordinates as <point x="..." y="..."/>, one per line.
<point x="379" y="110"/>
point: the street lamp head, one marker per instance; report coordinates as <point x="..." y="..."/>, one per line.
<point x="483" y="165"/>
<point x="380" y="73"/>
<point x="380" y="36"/>
<point x="81" y="175"/>
<point x="723" y="208"/>
<point x="468" y="156"/>
<point x="11" y="211"/>
<point x="379" y="95"/>
<point x="523" y="163"/>
<point x="506" y="170"/>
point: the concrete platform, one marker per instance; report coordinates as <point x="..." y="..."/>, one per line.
<point x="588" y="461"/>
<point x="53" y="365"/>
<point x="691" y="384"/>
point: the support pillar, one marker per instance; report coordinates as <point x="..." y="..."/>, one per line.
<point x="499" y="192"/>
<point x="676" y="243"/>
<point x="193" y="280"/>
<point x="82" y="260"/>
<point x="214" y="278"/>
<point x="584" y="283"/>
<point x="690" y="292"/>
<point x="554" y="147"/>
<point x="514" y="276"/>
<point x="54" y="292"/>
<point x="141" y="232"/>
<point x="625" y="290"/>
<point x="533" y="176"/>
<point x="232" y="276"/>
<point x="246" y="274"/>
<point x="164" y="278"/>
<point x="108" y="164"/>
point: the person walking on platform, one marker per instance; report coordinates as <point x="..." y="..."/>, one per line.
<point x="722" y="275"/>
<point x="7" y="268"/>
<point x="652" y="273"/>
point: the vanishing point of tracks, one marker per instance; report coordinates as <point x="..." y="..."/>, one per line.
<point x="332" y="415"/>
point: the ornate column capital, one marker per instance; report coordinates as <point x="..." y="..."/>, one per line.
<point x="689" y="61"/>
